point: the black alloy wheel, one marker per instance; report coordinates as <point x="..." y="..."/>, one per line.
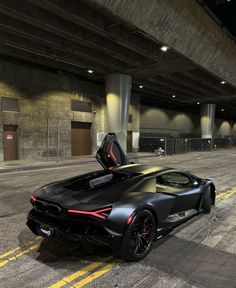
<point x="139" y="236"/>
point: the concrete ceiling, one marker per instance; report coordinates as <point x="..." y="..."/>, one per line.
<point x="73" y="37"/>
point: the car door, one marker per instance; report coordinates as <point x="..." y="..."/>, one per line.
<point x="181" y="185"/>
<point x="110" y="153"/>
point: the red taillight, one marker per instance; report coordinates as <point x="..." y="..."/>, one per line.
<point x="101" y="214"/>
<point x="33" y="198"/>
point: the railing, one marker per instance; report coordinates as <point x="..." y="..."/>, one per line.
<point x="183" y="145"/>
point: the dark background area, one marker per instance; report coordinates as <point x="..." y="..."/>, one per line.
<point x="225" y="11"/>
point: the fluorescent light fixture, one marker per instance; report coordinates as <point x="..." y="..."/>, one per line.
<point x="164" y="48"/>
<point x="140" y="86"/>
<point x="90" y="71"/>
<point x="222" y="82"/>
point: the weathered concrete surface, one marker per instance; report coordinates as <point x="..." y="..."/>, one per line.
<point x="45" y="103"/>
<point x="200" y="253"/>
<point x="184" y="26"/>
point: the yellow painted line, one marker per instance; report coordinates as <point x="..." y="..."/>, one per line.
<point x="77" y="274"/>
<point x="10" y="252"/>
<point x="13" y="258"/>
<point x="225" y="195"/>
<point x="93" y="276"/>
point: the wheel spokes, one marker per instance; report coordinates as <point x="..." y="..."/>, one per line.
<point x="141" y="235"/>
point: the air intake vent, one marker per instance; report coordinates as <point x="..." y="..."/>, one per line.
<point x="10" y="104"/>
<point x="81" y="106"/>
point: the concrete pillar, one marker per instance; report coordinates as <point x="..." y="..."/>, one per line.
<point x="118" y="90"/>
<point x="207" y="120"/>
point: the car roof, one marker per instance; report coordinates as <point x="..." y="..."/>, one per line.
<point x="139" y="168"/>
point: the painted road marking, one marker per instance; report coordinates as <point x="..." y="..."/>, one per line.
<point x="13" y="258"/>
<point x="76" y="275"/>
<point x="10" y="252"/>
<point x="225" y="195"/>
<point x="79" y="273"/>
<point x="94" y="275"/>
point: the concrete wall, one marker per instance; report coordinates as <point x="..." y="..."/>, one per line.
<point x="164" y="122"/>
<point x="167" y="123"/>
<point x="45" y="104"/>
<point x="224" y="128"/>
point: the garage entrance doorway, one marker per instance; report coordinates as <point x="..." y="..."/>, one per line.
<point x="129" y="141"/>
<point x="10" y="142"/>
<point x="80" y="138"/>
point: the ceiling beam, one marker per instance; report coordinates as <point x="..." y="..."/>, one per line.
<point x="19" y="28"/>
<point x="37" y="50"/>
<point x="86" y="53"/>
<point x="132" y="40"/>
<point x="165" y="91"/>
<point x="42" y="21"/>
<point x="199" y="86"/>
<point x="162" y="67"/>
<point x="88" y="18"/>
<point x="182" y="88"/>
<point x="15" y="53"/>
<point x="76" y="12"/>
<point x="210" y="81"/>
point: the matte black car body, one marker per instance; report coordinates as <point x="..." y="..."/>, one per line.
<point x="99" y="206"/>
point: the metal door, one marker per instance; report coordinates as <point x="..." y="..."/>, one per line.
<point x="10" y="142"/>
<point x="129" y="141"/>
<point x="80" y="138"/>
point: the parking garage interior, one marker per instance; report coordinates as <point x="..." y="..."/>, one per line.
<point x="160" y="74"/>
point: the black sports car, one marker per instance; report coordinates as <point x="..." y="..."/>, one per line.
<point x="126" y="206"/>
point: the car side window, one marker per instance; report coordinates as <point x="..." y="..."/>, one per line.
<point x="174" y="179"/>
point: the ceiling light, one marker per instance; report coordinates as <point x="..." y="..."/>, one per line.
<point x="222" y="82"/>
<point x="222" y="110"/>
<point x="140" y="86"/>
<point x="90" y="71"/>
<point x="173" y="96"/>
<point x="164" y="48"/>
<point x="198" y="103"/>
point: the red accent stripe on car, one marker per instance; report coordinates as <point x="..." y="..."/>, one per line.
<point x="91" y="213"/>
<point x="111" y="152"/>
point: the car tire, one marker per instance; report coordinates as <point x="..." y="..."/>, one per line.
<point x="139" y="236"/>
<point x="207" y="201"/>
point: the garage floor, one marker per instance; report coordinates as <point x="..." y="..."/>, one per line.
<point x="200" y="253"/>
